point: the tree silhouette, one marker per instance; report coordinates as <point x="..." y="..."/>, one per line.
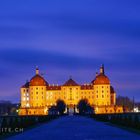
<point x="84" y="107"/>
<point x="61" y="106"/>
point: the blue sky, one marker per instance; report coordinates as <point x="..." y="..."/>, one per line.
<point x="66" y="38"/>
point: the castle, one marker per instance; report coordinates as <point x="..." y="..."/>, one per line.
<point x="37" y="95"/>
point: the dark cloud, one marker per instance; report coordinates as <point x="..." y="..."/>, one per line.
<point x="69" y="38"/>
<point x="29" y="57"/>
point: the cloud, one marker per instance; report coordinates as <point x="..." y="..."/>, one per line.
<point x="70" y="38"/>
<point x="32" y="56"/>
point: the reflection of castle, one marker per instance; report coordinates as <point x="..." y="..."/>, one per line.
<point x="37" y="95"/>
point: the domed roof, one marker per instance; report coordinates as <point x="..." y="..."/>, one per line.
<point x="101" y="79"/>
<point x="38" y="80"/>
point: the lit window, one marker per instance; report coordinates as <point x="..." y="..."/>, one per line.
<point x="27" y="105"/>
<point x="27" y="98"/>
<point x="24" y="99"/>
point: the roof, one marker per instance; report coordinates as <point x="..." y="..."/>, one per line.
<point x="38" y="80"/>
<point x="70" y="82"/>
<point x="86" y="86"/>
<point x="92" y="82"/>
<point x="51" y="87"/>
<point x="101" y="79"/>
<point x="112" y="89"/>
<point x="26" y="85"/>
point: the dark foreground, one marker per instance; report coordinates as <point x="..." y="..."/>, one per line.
<point x="76" y="128"/>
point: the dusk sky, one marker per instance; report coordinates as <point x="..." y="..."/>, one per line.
<point x="69" y="37"/>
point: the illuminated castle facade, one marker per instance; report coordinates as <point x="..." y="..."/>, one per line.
<point x="37" y="95"/>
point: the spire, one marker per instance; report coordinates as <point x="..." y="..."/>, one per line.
<point x="37" y="71"/>
<point x="102" y="69"/>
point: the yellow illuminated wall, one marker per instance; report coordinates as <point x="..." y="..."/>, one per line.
<point x="35" y="100"/>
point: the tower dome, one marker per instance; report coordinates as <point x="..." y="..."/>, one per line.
<point x="38" y="80"/>
<point x="101" y="78"/>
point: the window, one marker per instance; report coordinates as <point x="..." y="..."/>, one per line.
<point x="102" y="96"/>
<point x="36" y="92"/>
